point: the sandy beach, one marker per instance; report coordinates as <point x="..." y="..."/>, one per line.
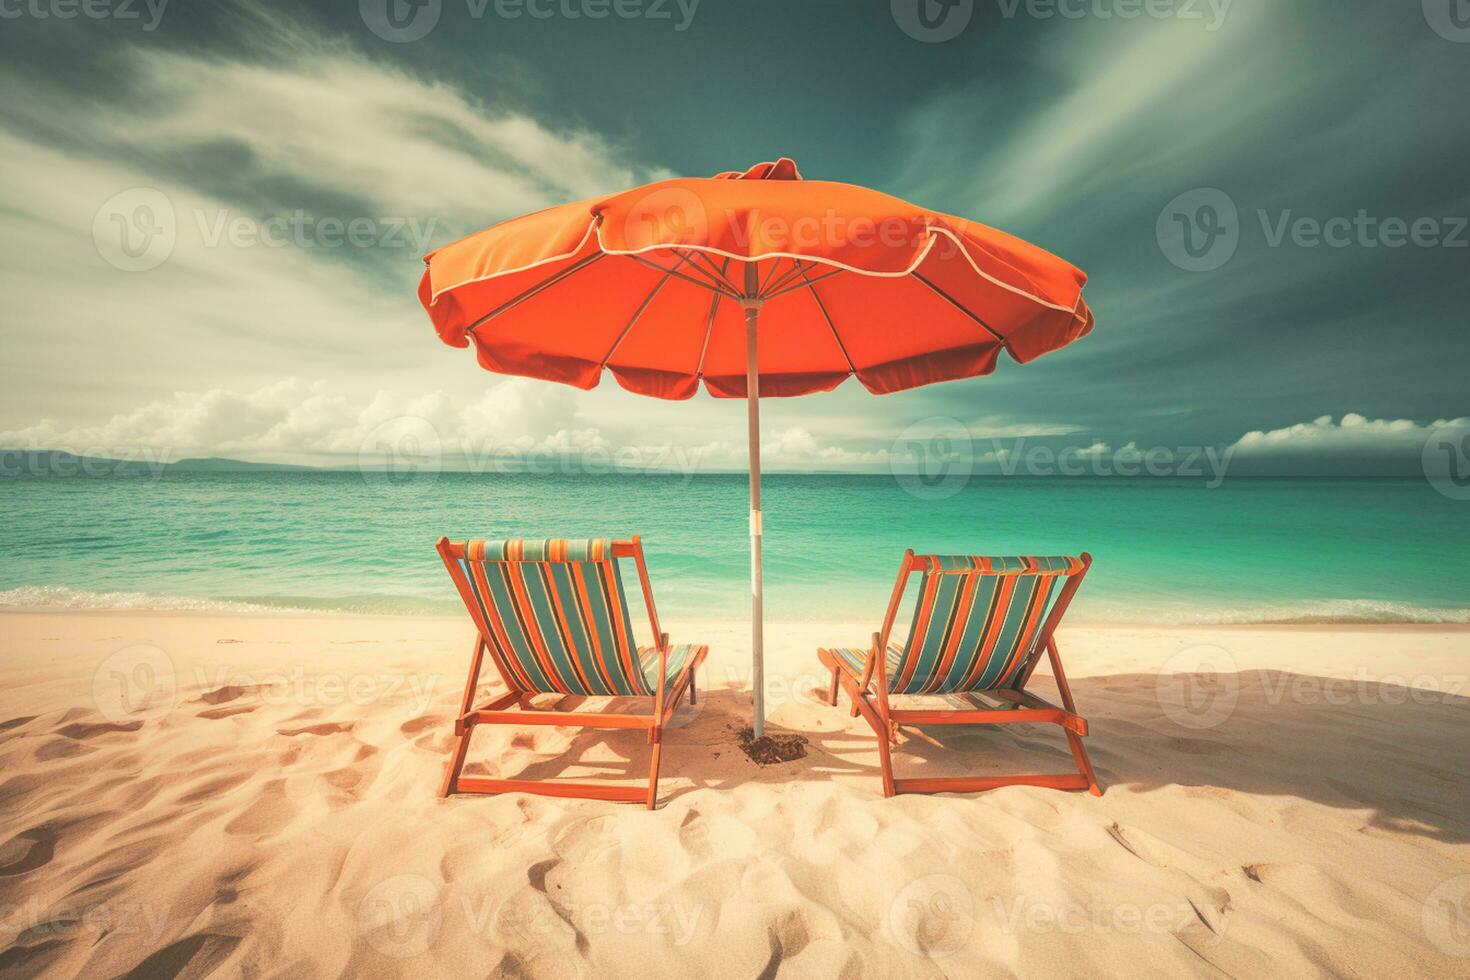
<point x="192" y="795"/>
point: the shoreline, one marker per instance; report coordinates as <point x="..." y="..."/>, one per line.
<point x="1316" y="626"/>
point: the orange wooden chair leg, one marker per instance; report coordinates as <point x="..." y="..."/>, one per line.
<point x="885" y="761"/>
<point x="1084" y="764"/>
<point x="1079" y="751"/>
<point x="832" y="694"/>
<point x="653" y="774"/>
<point x="467" y="700"/>
<point x="456" y="762"/>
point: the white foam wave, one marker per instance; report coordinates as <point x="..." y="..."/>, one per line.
<point x="50" y="598"/>
<point x="1321" y="611"/>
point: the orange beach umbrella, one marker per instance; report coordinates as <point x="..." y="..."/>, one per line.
<point x="757" y="284"/>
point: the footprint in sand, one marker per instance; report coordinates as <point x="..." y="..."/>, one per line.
<point x="788" y="936"/>
<point x="230" y="692"/>
<point x="27" y="851"/>
<point x="198" y="955"/>
<point x="6" y="726"/>
<point x="1211" y="903"/>
<point x="415" y="725"/>
<point x="1199" y="746"/>
<point x="80" y="731"/>
<point x="62" y="749"/>
<point x="536" y="874"/>
<point x="325" y="728"/>
<point x="270" y="812"/>
<point x="227" y="711"/>
<point x="23" y="960"/>
<point x="214" y="788"/>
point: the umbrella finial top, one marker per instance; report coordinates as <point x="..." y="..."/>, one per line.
<point x="782" y="169"/>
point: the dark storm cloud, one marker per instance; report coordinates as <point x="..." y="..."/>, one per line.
<point x="1325" y="125"/>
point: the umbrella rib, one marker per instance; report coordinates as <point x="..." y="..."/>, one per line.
<point x="638" y="313"/>
<point x="962" y="308"/>
<point x="701" y="283"/>
<point x="770" y="277"/>
<point x="787" y="277"/>
<point x="831" y="326"/>
<point x="706" y="280"/>
<point x="805" y="285"/>
<point x="544" y="284"/>
<point x="717" y="273"/>
<point x="709" y="328"/>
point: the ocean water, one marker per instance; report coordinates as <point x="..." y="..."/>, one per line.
<point x="1165" y="550"/>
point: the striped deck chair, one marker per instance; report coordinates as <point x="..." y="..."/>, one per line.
<point x="980" y="627"/>
<point x="553" y="619"/>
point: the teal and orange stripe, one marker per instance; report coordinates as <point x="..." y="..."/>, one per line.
<point x="977" y="621"/>
<point x="558" y="615"/>
<point x="480" y="585"/>
<point x="483" y="622"/>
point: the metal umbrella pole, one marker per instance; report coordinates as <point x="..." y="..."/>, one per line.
<point x="752" y="304"/>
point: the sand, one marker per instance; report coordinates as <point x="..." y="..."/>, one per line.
<point x="1278" y="801"/>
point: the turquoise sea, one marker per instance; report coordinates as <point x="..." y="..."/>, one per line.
<point x="1165" y="550"/>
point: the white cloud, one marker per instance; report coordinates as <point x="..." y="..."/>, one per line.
<point x="85" y="340"/>
<point x="295" y="421"/>
<point x="797" y="447"/>
<point x="1353" y="434"/>
<point x="325" y="116"/>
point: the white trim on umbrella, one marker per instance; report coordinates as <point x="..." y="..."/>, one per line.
<point x="934" y="232"/>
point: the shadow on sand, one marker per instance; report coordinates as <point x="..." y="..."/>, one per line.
<point x="1342" y="743"/>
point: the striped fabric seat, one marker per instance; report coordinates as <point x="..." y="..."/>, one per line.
<point x="855" y="659"/>
<point x="977" y="622"/>
<point x="678" y="656"/>
<point x="980" y="625"/>
<point x="556" y="616"/>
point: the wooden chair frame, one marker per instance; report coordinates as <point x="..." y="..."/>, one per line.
<point x="1022" y="706"/>
<point x="497" y="711"/>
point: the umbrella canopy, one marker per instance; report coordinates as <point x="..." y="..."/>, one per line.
<point x="756" y="283"/>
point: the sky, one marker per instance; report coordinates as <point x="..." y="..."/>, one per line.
<point x="1269" y="199"/>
